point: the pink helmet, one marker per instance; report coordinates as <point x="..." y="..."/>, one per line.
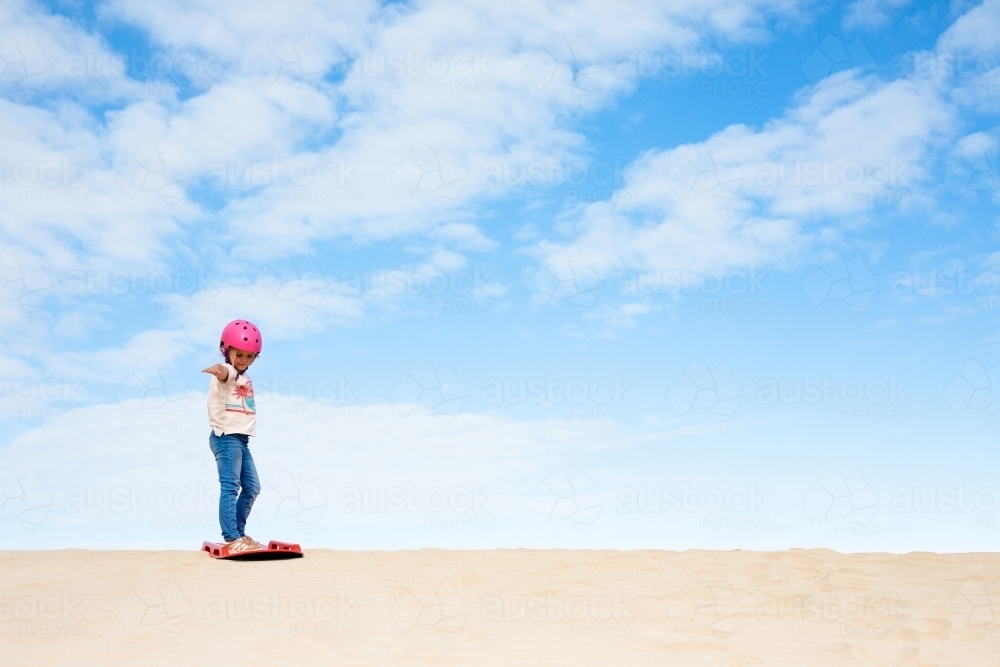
<point x="241" y="334"/>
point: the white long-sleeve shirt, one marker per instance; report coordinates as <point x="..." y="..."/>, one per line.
<point x="231" y="407"/>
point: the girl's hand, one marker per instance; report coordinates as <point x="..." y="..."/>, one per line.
<point x="219" y="371"/>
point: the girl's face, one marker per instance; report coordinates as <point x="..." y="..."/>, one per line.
<point x="241" y="359"/>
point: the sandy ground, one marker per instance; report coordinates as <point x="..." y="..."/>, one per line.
<point x="506" y="607"/>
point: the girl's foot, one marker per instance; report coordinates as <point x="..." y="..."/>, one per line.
<point x="254" y="544"/>
<point x="238" y="545"/>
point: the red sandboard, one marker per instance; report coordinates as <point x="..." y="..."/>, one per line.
<point x="273" y="551"/>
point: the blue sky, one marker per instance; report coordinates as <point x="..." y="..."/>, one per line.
<point x="549" y="258"/>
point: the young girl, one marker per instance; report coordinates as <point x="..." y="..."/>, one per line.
<point x="233" y="418"/>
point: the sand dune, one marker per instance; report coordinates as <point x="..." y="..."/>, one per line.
<point x="504" y="607"/>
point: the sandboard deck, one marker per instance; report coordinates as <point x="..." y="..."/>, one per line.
<point x="274" y="550"/>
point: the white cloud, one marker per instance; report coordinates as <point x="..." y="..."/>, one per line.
<point x="59" y="198"/>
<point x="968" y="53"/>
<point x="238" y="32"/>
<point x="288" y="298"/>
<point x="241" y="134"/>
<point x="162" y="445"/>
<point x="45" y="54"/>
<point x="286" y="305"/>
<point x="977" y="30"/>
<point x="453" y="84"/>
<point x="871" y="13"/>
<point x="758" y="198"/>
<point x="615" y="316"/>
<point x="973" y="167"/>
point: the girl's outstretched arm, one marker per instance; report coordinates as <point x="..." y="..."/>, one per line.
<point x="219" y="371"/>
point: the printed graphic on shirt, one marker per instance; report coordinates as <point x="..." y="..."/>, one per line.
<point x="244" y="394"/>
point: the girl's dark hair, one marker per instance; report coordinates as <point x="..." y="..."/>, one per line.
<point x="224" y="349"/>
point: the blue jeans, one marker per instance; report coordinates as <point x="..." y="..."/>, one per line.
<point x="236" y="470"/>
